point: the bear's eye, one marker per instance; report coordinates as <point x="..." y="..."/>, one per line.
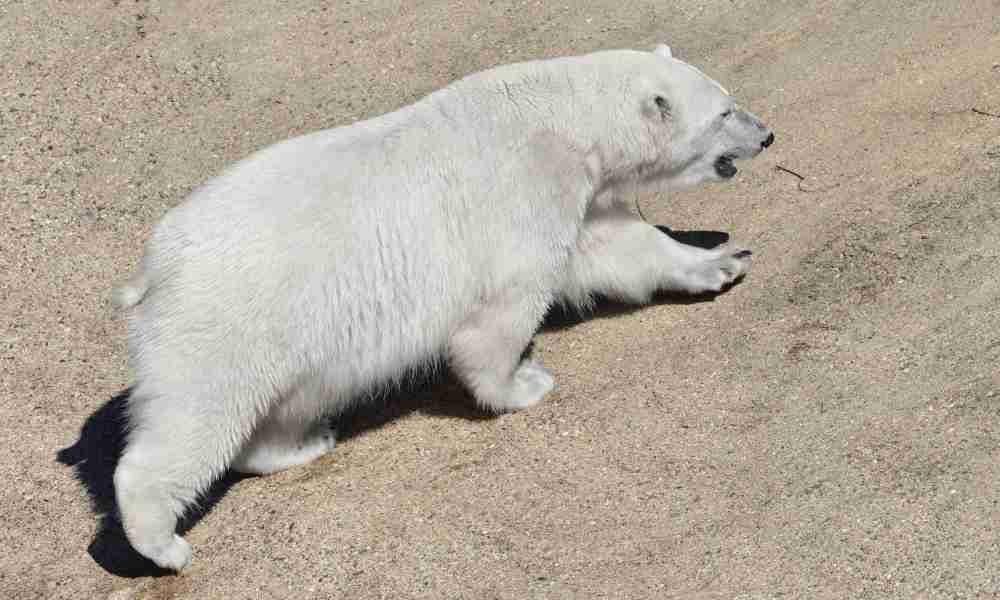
<point x="727" y="113"/>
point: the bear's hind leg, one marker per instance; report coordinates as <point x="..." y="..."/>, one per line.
<point x="282" y="443"/>
<point x="177" y="446"/>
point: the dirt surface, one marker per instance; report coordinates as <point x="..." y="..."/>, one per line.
<point x="827" y="429"/>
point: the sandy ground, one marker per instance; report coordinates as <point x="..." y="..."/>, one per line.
<point x="827" y="429"/>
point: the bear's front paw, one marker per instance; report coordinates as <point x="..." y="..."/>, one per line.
<point x="529" y="385"/>
<point x="728" y="265"/>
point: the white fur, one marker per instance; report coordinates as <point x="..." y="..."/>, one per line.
<point x="334" y="262"/>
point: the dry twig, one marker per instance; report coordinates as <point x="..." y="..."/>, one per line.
<point x="639" y="209"/>
<point x="802" y="179"/>
<point x="984" y="113"/>
<point x="789" y="171"/>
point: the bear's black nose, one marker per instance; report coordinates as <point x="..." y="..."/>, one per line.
<point x="768" y="141"/>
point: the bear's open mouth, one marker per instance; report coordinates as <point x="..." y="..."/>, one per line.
<point x="724" y="166"/>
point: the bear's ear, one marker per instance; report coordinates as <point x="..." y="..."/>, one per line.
<point x="663" y="50"/>
<point x="658" y="107"/>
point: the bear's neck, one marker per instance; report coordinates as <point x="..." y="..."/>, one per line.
<point x="508" y="105"/>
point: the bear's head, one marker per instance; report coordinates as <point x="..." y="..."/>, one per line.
<point x="695" y="129"/>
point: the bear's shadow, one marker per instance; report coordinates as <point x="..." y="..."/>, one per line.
<point x="95" y="454"/>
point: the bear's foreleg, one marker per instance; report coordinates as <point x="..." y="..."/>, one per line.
<point x="485" y="351"/>
<point x="624" y="258"/>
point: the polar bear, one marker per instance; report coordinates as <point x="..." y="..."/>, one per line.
<point x="333" y="262"/>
